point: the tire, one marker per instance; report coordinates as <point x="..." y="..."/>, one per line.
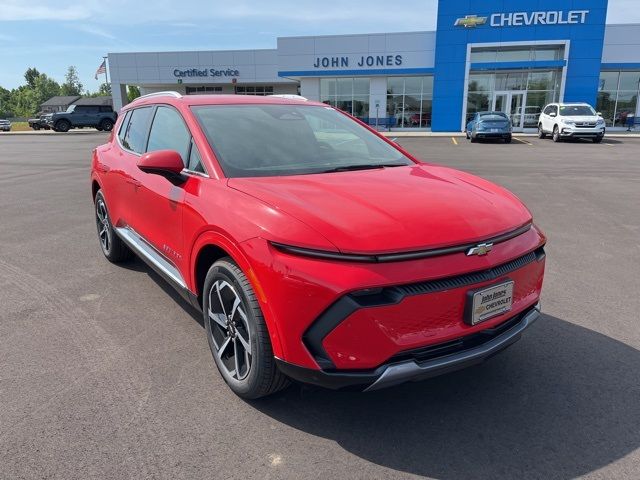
<point x="106" y="125"/>
<point x="36" y="127"/>
<point x="114" y="249"/>
<point x="472" y="138"/>
<point x="556" y="134"/>
<point x="541" y="133"/>
<point x="507" y="140"/>
<point x="99" y="128"/>
<point x="597" y="139"/>
<point x="62" y="126"/>
<point x="233" y="332"/>
<point x="466" y="132"/>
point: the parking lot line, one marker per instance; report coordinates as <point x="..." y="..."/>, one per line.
<point x="453" y="139"/>
<point x="522" y="141"/>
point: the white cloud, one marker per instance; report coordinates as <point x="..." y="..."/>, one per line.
<point x="14" y="10"/>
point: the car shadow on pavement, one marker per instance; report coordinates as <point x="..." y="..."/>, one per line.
<point x="138" y="265"/>
<point x="562" y="402"/>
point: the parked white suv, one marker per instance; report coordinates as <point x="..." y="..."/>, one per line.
<point x="571" y="120"/>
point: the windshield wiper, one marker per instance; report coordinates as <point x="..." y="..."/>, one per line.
<point x="366" y="166"/>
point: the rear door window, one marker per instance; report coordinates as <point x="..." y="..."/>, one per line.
<point x="135" y="138"/>
<point x="169" y="132"/>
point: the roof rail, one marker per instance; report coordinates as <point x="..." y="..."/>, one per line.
<point x="290" y="96"/>
<point x="170" y="93"/>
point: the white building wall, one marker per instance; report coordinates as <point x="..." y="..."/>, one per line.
<point x="310" y="88"/>
<point x="378" y="97"/>
<point x="622" y="44"/>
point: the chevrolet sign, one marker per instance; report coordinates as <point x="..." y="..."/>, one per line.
<point x="470" y="21"/>
<point x="523" y="19"/>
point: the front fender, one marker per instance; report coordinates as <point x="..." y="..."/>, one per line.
<point x="219" y="240"/>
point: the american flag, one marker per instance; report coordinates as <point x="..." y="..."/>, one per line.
<point x="101" y="69"/>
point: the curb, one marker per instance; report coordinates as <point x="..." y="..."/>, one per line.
<point x="51" y="132"/>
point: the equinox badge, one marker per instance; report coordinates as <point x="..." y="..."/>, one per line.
<point x="480" y="250"/>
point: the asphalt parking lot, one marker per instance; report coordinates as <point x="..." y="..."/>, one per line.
<point x="105" y="373"/>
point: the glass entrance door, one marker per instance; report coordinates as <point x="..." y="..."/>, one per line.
<point x="511" y="103"/>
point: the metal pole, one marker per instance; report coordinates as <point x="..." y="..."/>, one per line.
<point x="106" y="70"/>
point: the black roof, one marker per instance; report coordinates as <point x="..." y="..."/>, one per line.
<point x="101" y="101"/>
<point x="61" y="100"/>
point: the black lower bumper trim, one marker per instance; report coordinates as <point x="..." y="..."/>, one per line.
<point x="411" y="370"/>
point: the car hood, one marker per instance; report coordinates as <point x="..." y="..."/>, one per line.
<point x="392" y="209"/>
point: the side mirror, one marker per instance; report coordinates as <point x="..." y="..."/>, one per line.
<point x="599" y="114"/>
<point x="553" y="114"/>
<point x="167" y="163"/>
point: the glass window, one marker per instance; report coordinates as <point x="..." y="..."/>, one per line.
<point x="195" y="161"/>
<point x="480" y="82"/>
<point x="629" y="81"/>
<point x="123" y="126"/>
<point x="513" y="55"/>
<point x="168" y="132"/>
<point x="483" y="55"/>
<point x="272" y="140"/>
<point x="609" y="81"/>
<point x="409" y="101"/>
<point x="348" y="94"/>
<point x="136" y="135"/>
<point x="625" y="107"/>
<point x="606" y="105"/>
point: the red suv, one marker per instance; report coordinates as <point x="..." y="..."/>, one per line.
<point x="316" y="249"/>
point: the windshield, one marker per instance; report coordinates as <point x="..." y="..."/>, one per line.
<point x="273" y="140"/>
<point x="71" y="109"/>
<point x="577" y="111"/>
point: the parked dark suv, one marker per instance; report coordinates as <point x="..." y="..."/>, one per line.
<point x="101" y="117"/>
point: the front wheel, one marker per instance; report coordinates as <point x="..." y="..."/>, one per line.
<point x="237" y="333"/>
<point x="508" y="139"/>
<point x="556" y="134"/>
<point x="62" y="126"/>
<point x="106" y="125"/>
<point x="598" y="139"/>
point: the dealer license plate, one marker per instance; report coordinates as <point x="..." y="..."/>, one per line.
<point x="490" y="302"/>
<point x="495" y="130"/>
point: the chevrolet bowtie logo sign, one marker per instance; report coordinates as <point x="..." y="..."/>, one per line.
<point x="470" y="21"/>
<point x="480" y="250"/>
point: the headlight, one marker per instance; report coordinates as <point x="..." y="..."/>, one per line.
<point x="600" y="121"/>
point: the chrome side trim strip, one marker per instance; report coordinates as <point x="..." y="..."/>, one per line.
<point x="402" y="372"/>
<point x="150" y="255"/>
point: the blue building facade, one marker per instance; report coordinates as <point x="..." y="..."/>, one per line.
<point x="468" y="29"/>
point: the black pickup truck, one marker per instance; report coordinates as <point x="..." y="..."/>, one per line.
<point x="40" y="121"/>
<point x="101" y="117"/>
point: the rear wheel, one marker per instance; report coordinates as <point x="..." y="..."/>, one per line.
<point x="556" y="134"/>
<point x="237" y="333"/>
<point x="541" y="133"/>
<point x="112" y="246"/>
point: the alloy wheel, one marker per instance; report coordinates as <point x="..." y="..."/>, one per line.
<point x="229" y="329"/>
<point x="102" y="221"/>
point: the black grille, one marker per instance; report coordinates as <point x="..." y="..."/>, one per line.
<point x="469" y="278"/>
<point x="460" y="344"/>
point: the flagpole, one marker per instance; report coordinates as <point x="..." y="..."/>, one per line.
<point x="106" y="70"/>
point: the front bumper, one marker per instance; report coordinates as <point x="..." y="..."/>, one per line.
<point x="423" y="363"/>
<point x="579" y="132"/>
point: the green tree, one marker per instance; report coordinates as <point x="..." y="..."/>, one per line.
<point x="105" y="89"/>
<point x="72" y="84"/>
<point x="31" y="75"/>
<point x="44" y="89"/>
<point x="5" y="103"/>
<point x="133" y="92"/>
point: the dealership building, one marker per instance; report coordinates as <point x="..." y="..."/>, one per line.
<point x="514" y="57"/>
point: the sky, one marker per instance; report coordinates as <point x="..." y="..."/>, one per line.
<point x="53" y="35"/>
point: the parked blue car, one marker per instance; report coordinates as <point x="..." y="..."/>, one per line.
<point x="489" y="125"/>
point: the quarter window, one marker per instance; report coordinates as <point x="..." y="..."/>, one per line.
<point x="169" y="132"/>
<point x="123" y="127"/>
<point x="195" y="161"/>
<point x="136" y="135"/>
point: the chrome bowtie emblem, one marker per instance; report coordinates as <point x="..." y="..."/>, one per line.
<point x="480" y="250"/>
<point x="470" y="21"/>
